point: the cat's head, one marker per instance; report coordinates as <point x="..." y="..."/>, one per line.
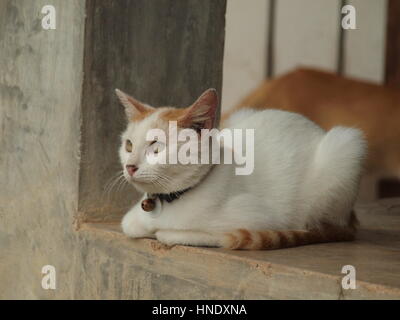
<point x="135" y="148"/>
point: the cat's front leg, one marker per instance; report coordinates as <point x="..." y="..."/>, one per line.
<point x="133" y="225"/>
<point x="189" y="238"/>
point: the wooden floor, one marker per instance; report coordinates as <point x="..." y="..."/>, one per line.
<point x="308" y="272"/>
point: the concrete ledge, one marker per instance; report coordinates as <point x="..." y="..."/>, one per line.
<point x="309" y="272"/>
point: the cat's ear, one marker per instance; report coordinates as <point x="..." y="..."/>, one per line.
<point x="132" y="106"/>
<point x="202" y="113"/>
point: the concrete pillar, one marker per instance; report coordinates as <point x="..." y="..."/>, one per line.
<point x="60" y="121"/>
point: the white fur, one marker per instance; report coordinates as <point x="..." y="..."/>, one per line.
<point x="302" y="176"/>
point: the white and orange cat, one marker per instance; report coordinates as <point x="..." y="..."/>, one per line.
<point x="302" y="189"/>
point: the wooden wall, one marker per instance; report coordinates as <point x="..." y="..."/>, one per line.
<point x="364" y="48"/>
<point x="245" y="58"/>
<point x="270" y="37"/>
<point x="393" y="45"/>
<point x="162" y="52"/>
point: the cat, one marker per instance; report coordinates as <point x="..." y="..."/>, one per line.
<point x="332" y="100"/>
<point x="301" y="192"/>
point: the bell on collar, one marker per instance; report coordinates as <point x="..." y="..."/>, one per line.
<point x="148" y="204"/>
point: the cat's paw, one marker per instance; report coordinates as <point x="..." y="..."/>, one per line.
<point x="133" y="227"/>
<point x="167" y="238"/>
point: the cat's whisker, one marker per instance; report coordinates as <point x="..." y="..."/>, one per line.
<point x="157" y="181"/>
<point x="110" y="180"/>
<point x="109" y="185"/>
<point x="164" y="180"/>
<point x="111" y="188"/>
<point x="114" y="181"/>
<point x="161" y="186"/>
<point x="163" y="177"/>
<point x="121" y="185"/>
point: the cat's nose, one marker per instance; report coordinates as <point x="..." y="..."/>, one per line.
<point x="131" y="169"/>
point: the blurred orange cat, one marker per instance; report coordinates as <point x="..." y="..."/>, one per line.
<point x="331" y="100"/>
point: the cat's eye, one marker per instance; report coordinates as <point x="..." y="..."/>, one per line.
<point x="128" y="146"/>
<point x="155" y="149"/>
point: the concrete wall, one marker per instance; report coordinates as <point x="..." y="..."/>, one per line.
<point x="40" y="80"/>
<point x="42" y="84"/>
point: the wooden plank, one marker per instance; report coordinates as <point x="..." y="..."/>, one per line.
<point x="245" y="55"/>
<point x="390" y="187"/>
<point x="393" y="45"/>
<point x="364" y="47"/>
<point x="306" y="33"/>
<point x="163" y="52"/>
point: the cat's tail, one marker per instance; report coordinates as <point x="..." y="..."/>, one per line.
<point x="341" y="151"/>
<point x="269" y="239"/>
<point x="332" y="182"/>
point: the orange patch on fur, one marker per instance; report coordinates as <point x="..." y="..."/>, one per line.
<point x="283" y="239"/>
<point x="139" y="116"/>
<point x="246" y="239"/>
<point x="270" y="239"/>
<point x="174" y="115"/>
<point x="266" y="240"/>
<point x="297" y="237"/>
<point x="233" y="241"/>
